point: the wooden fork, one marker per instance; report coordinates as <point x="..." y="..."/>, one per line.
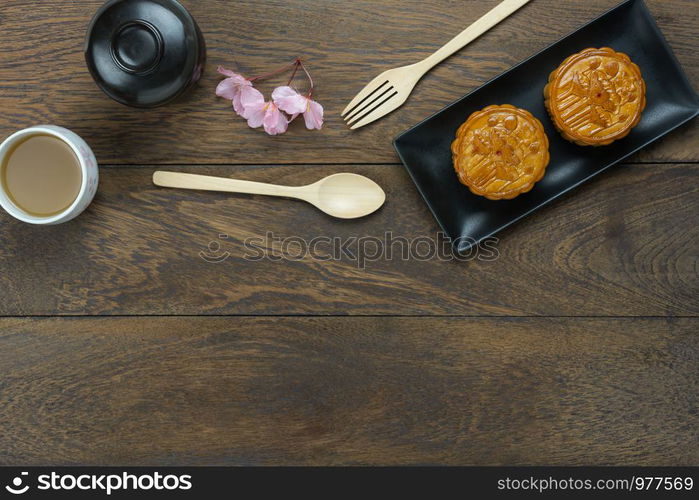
<point x="390" y="89"/>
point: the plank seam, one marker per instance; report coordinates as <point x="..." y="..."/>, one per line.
<point x="277" y="316"/>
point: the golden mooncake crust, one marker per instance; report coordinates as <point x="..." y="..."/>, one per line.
<point x="596" y="97"/>
<point x="500" y="152"/>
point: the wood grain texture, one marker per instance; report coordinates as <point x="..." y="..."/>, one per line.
<point x="43" y="77"/>
<point x="161" y="391"/>
<point x="354" y="387"/>
<point x="622" y="245"/>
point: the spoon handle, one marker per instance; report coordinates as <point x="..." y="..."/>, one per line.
<point x="209" y="183"/>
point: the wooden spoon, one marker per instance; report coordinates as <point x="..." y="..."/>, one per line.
<point x="346" y="196"/>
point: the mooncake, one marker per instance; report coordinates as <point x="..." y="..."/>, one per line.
<point x="596" y="97"/>
<point x="500" y="152"/>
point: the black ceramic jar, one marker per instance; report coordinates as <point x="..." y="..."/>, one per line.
<point x="144" y="53"/>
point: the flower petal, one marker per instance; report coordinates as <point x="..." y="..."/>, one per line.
<point x="238" y="104"/>
<point x="231" y="87"/>
<point x="274" y="121"/>
<point x="255" y="114"/>
<point x="284" y="91"/>
<point x="313" y="115"/>
<point x="250" y="97"/>
<point x="289" y="100"/>
<point x="225" y="71"/>
<point x="228" y="89"/>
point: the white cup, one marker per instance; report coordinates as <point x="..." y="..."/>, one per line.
<point x="88" y="167"/>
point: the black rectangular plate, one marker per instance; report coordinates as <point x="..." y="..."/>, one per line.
<point x="468" y="219"/>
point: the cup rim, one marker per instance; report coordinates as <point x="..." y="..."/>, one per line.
<point x="6" y="201"/>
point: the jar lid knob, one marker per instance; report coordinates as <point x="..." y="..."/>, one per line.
<point x="137" y="47"/>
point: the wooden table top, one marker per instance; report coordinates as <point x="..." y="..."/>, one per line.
<point x="121" y="342"/>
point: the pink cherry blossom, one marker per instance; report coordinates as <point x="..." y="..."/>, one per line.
<point x="231" y="85"/>
<point x="290" y="101"/>
<point x="275" y="122"/>
<point x="250" y="101"/>
<point x="313" y="116"/>
<point x="254" y="111"/>
<point x="265" y="114"/>
<point x="274" y="115"/>
<point x="234" y="88"/>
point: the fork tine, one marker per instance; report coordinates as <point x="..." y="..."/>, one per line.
<point x="367" y="91"/>
<point x="368" y="103"/>
<point x="389" y="104"/>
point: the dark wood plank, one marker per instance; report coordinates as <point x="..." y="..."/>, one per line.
<point x="161" y="391"/>
<point x="624" y="244"/>
<point x="43" y="77"/>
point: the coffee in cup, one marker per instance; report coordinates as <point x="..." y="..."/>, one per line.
<point x="48" y="175"/>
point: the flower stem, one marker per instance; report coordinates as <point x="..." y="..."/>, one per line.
<point x="308" y="75"/>
<point x="298" y="63"/>
<point x="273" y="73"/>
<point x="293" y="75"/>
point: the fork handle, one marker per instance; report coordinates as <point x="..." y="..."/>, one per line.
<point x="500" y="12"/>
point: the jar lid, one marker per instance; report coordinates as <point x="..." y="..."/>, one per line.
<point x="144" y="53"/>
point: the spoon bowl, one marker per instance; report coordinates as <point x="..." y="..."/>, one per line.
<point x="348" y="196"/>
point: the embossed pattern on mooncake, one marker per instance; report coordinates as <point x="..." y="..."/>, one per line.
<point x="596" y="97"/>
<point x="500" y="152"/>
